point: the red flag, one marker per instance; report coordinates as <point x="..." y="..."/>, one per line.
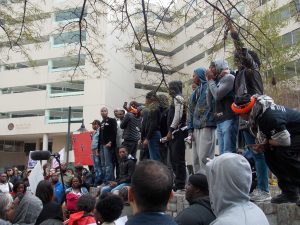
<point x="82" y="148"/>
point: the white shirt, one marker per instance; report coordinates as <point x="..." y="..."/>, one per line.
<point x="5" y="188"/>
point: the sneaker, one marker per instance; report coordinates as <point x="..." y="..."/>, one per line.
<point x="253" y="193"/>
<point x="261" y="196"/>
<point x="284" y="198"/>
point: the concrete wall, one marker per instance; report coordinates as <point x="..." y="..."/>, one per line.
<point x="277" y="214"/>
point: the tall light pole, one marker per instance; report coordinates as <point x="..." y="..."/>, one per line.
<point x="80" y="130"/>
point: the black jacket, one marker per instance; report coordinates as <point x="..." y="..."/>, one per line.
<point x="126" y="169"/>
<point x="108" y="131"/>
<point x="132" y="127"/>
<point x="152" y="122"/>
<point x="198" y="213"/>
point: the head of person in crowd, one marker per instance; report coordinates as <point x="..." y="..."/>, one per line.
<point x="79" y="169"/>
<point x="25" y="209"/>
<point x="163" y="101"/>
<point x="96" y="124"/>
<point x="151" y="97"/>
<point x="76" y="182"/>
<point x="239" y="58"/>
<point x="123" y="152"/>
<point x="86" y="203"/>
<point x="121" y="114"/>
<point x="5" y="203"/>
<point x="243" y="105"/>
<point x="175" y="88"/>
<point x="70" y="171"/>
<point x="116" y="113"/>
<point x="3" y="178"/>
<point x="9" y="172"/>
<point x="44" y="191"/>
<point x="196" y="187"/>
<point x="109" y="208"/>
<point x="15" y="171"/>
<point x="54" y="178"/>
<point x="229" y="180"/>
<point x="104" y="112"/>
<point x="19" y="187"/>
<point x="63" y="167"/>
<point x="219" y="68"/>
<point x="151" y="187"/>
<point x="199" y="76"/>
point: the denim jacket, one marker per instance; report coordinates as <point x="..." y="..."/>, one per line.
<point x="200" y="113"/>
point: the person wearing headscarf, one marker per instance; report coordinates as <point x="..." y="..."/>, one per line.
<point x="229" y="180"/>
<point x="201" y="123"/>
<point x="25" y="209"/>
<point x="277" y="132"/>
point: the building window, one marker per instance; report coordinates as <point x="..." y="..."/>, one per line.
<point x="11" y="146"/>
<point x="69" y="15"/>
<point x="68" y="38"/>
<point x="67" y="63"/>
<point x="62" y="89"/>
<point x="60" y="115"/>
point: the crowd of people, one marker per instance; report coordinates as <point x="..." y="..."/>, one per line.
<point x="231" y="105"/>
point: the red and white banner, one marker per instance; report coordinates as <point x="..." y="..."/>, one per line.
<point x="82" y="148"/>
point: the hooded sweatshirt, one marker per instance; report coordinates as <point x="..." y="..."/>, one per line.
<point x="221" y="90"/>
<point x="28" y="210"/>
<point x="229" y="180"/>
<point x="176" y="114"/>
<point x="200" y="113"/>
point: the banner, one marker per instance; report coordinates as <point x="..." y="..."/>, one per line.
<point x="35" y="177"/>
<point x="82" y="148"/>
<point x="61" y="157"/>
<point x="31" y="163"/>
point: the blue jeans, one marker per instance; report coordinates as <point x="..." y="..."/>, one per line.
<point x="153" y="146"/>
<point x="260" y="164"/>
<point x="107" y="188"/>
<point x="97" y="167"/>
<point x="106" y="164"/>
<point x="227" y="135"/>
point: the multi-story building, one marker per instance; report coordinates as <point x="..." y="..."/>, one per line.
<point x="35" y="100"/>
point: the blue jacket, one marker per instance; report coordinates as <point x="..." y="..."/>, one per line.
<point x="58" y="192"/>
<point x="200" y="113"/>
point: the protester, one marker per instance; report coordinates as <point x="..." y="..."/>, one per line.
<point x="51" y="209"/>
<point x="96" y="152"/>
<point x="199" y="212"/>
<point x="248" y="81"/>
<point x="144" y="150"/>
<point x="220" y="89"/>
<point x="107" y="140"/>
<point x="163" y="147"/>
<point x="15" y="176"/>
<point x="24" y="210"/>
<point x="176" y="122"/>
<point x="229" y="179"/>
<point x="277" y="131"/>
<point x="119" y="116"/>
<point x="152" y="125"/>
<point x="151" y="189"/>
<point x="19" y="187"/>
<point x="67" y="176"/>
<point x="126" y="166"/>
<point x="5" y="185"/>
<point x="58" y="188"/>
<point x="131" y="125"/>
<point x="201" y="123"/>
<point x="108" y="209"/>
<point x="74" y="193"/>
<point x="84" y="216"/>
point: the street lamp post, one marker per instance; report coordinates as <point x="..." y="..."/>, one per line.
<point x="80" y="130"/>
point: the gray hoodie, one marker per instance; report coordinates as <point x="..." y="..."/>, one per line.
<point x="229" y="180"/>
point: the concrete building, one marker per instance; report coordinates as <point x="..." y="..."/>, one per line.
<point x="35" y="100"/>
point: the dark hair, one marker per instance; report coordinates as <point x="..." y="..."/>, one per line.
<point x="17" y="184"/>
<point x="151" y="95"/>
<point x="110" y="207"/>
<point x="44" y="191"/>
<point x="151" y="185"/>
<point x="86" y="203"/>
<point x="199" y="180"/>
<point x="76" y="176"/>
<point x="123" y="146"/>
